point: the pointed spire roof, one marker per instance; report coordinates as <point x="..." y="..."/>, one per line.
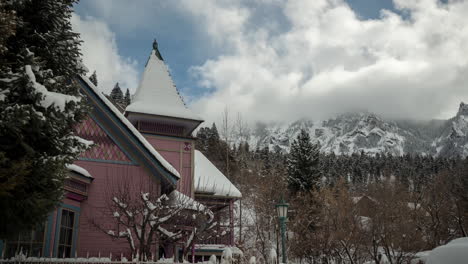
<point x="157" y="94"/>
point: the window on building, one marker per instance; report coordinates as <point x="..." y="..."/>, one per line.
<point x="29" y="243"/>
<point x="67" y="224"/>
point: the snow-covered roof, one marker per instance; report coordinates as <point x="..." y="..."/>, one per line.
<point x="134" y="131"/>
<point x="209" y="179"/>
<point x="357" y="199"/>
<point x="157" y="94"/>
<point x="79" y="170"/>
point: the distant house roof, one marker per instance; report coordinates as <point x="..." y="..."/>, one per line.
<point x="357" y="199"/>
<point x="208" y="179"/>
<point x="132" y="131"/>
<point x="157" y="94"/>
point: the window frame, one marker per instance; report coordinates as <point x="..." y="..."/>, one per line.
<point x="30" y="242"/>
<point x="74" y="230"/>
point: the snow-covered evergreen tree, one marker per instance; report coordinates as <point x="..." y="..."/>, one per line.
<point x="303" y="164"/>
<point x="116" y="94"/>
<point x="39" y="107"/>
<point x="93" y="79"/>
<point x="8" y="21"/>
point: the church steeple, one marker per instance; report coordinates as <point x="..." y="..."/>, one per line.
<point x="157" y="102"/>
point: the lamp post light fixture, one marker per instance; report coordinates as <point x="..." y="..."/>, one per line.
<point x="282" y="210"/>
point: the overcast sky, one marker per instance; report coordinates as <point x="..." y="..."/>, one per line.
<point x="273" y="60"/>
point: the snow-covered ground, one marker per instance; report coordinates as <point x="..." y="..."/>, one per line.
<point x="454" y="252"/>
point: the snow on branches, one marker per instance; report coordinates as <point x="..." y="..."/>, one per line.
<point x="48" y="99"/>
<point x="144" y="218"/>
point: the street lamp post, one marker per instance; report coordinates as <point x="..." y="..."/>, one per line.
<point x="282" y="209"/>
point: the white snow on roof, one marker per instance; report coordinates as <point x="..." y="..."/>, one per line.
<point x="79" y="170"/>
<point x="455" y="252"/>
<point x="157" y="94"/>
<point x="135" y="132"/>
<point x="357" y="199"/>
<point x="209" y="179"/>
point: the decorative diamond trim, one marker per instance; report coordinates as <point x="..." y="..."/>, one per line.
<point x="105" y="148"/>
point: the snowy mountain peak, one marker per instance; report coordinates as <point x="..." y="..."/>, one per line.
<point x="463" y="109"/>
<point x="358" y="132"/>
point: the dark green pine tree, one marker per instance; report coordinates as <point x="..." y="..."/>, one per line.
<point x="93" y="79"/>
<point x="127" y="99"/>
<point x="116" y="94"/>
<point x="303" y="164"/>
<point x="202" y="139"/>
<point x="39" y="106"/>
<point x="213" y="141"/>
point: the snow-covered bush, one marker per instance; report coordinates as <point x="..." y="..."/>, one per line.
<point x="272" y="257"/>
<point x="213" y="260"/>
<point x="226" y="257"/>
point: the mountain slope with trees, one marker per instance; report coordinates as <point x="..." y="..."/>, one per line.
<point x="364" y="207"/>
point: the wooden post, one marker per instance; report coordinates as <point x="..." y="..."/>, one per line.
<point x="231" y="221"/>
<point x="193" y="252"/>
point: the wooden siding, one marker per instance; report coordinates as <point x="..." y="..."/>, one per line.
<point x="179" y="153"/>
<point x="107" y="177"/>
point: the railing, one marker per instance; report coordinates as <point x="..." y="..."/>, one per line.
<point x="153" y="127"/>
<point x="18" y="260"/>
<point x="78" y="261"/>
<point x="224" y="240"/>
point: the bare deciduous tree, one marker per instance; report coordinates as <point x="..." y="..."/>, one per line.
<point x="142" y="217"/>
<point x="226" y="133"/>
<point x="195" y="223"/>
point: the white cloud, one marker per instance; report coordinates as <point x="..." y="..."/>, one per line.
<point x="283" y="60"/>
<point x="228" y="17"/>
<point x="100" y="53"/>
<point x="123" y="15"/>
<point x="327" y="60"/>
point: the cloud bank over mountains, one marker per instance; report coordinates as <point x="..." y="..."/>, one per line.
<point x="285" y="60"/>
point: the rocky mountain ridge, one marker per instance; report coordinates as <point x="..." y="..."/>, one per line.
<point x="366" y="132"/>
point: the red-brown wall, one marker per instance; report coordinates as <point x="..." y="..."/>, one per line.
<point x="178" y="152"/>
<point x="107" y="177"/>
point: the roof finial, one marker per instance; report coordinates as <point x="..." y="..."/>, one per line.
<point x="156" y="51"/>
<point x="155" y="44"/>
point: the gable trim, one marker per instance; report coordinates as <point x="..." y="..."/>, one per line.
<point x="133" y="162"/>
<point x="109" y="161"/>
<point x="148" y="159"/>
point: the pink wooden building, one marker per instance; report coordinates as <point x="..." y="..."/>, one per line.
<point x="151" y="144"/>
